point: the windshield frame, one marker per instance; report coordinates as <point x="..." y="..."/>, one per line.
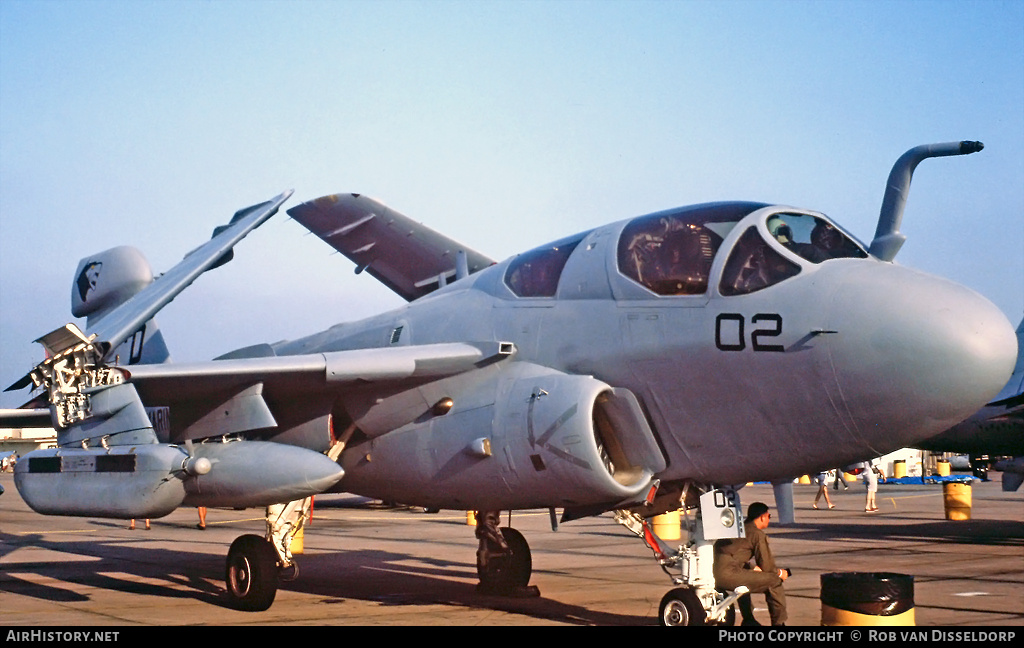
<point x="760" y="220"/>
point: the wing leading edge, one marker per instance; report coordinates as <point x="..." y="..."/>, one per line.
<point x="397" y="366"/>
<point x="407" y="257"/>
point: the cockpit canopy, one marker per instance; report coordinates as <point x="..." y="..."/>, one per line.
<point x="536" y="273"/>
<point x="754" y="265"/>
<point x="672" y="252"/>
<point x="812" y="237"/>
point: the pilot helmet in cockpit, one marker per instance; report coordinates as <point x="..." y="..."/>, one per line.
<point x="780" y="230"/>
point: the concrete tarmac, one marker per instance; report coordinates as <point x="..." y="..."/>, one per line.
<point x="365" y="564"/>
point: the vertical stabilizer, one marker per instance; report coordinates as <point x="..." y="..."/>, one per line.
<point x="108" y="279"/>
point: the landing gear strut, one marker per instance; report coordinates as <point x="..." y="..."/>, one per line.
<point x="503" y="560"/>
<point x="696" y="601"/>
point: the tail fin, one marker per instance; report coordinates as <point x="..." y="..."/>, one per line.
<point x="106" y="280"/>
<point x="1013" y="473"/>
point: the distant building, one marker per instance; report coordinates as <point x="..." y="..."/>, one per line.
<point x="25" y="440"/>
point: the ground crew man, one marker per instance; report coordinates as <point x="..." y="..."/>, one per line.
<point x="732" y="567"/>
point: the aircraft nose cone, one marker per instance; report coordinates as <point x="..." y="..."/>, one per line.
<point x="916" y="354"/>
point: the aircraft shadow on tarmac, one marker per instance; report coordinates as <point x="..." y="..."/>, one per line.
<point x="101" y="560"/>
<point x="387" y="578"/>
<point x="380" y="577"/>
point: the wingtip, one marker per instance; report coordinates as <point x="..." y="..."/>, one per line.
<point x="21" y="383"/>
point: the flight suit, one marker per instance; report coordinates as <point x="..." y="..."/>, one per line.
<point x="731" y="570"/>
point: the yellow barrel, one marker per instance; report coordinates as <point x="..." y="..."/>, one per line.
<point x="836" y="617"/>
<point x="850" y="477"/>
<point x="805" y="479"/>
<point x="899" y="468"/>
<point x="957" y="498"/>
<point x="872" y="599"/>
<point x="943" y="468"/>
<point x="471" y="518"/>
<point x="666" y="526"/>
<point x="298" y="544"/>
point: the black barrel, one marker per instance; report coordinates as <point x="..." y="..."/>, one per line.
<point x="867" y="598"/>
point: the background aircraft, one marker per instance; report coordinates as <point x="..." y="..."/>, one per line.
<point x="631" y="367"/>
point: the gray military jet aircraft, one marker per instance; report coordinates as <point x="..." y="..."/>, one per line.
<point x="637" y="367"/>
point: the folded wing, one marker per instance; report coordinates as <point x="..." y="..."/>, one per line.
<point x="123" y="321"/>
<point x="407" y="257"/>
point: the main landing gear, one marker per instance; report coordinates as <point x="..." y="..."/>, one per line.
<point x="503" y="560"/>
<point x="696" y="601"/>
<point x="256" y="564"/>
<point x="251" y="573"/>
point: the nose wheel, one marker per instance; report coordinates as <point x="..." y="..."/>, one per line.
<point x="681" y="607"/>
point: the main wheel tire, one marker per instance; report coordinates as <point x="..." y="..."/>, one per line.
<point x="251" y="573"/>
<point x="511" y="571"/>
<point x="681" y="607"/>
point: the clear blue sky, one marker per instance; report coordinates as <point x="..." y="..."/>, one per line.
<point x="502" y="124"/>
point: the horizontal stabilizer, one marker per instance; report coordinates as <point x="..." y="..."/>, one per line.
<point x="407" y="257"/>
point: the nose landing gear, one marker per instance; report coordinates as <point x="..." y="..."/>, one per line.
<point x="696" y="601"/>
